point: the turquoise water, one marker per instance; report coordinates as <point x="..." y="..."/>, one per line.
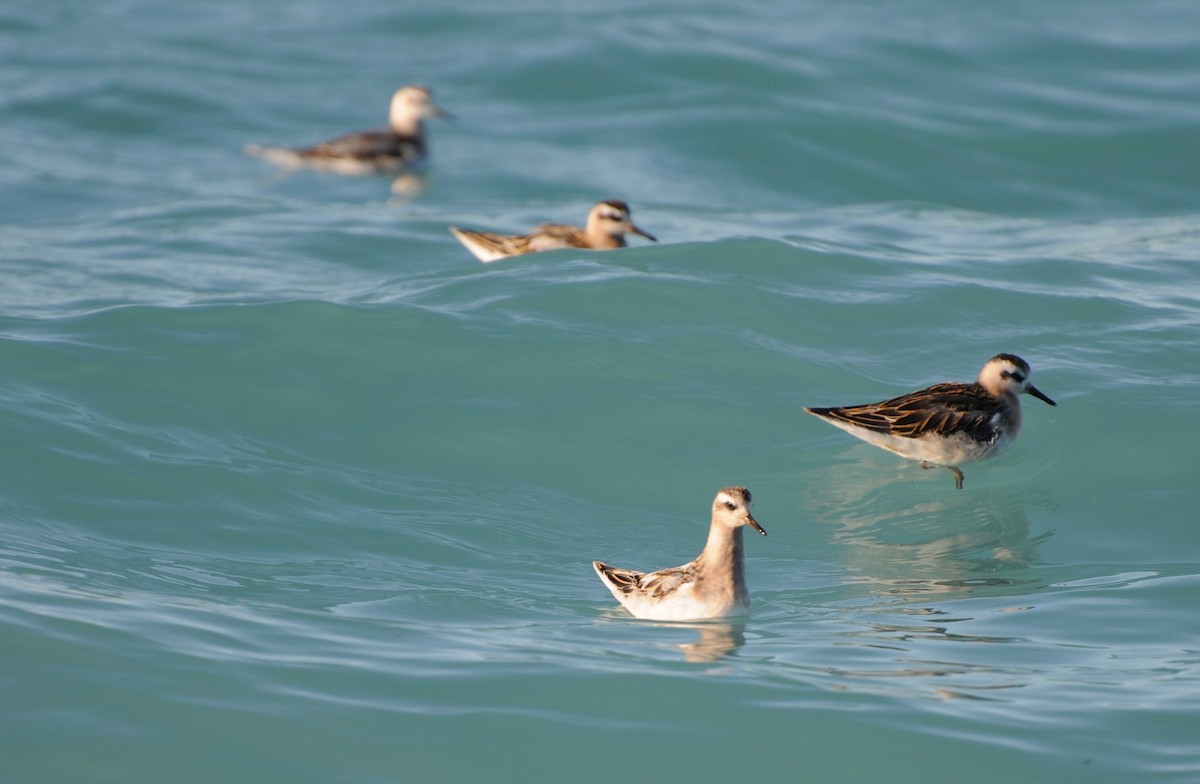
<point x="296" y="490"/>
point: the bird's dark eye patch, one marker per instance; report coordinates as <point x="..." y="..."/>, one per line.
<point x="1016" y="375"/>
<point x="730" y="505"/>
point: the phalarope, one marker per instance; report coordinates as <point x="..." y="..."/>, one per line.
<point x="607" y="225"/>
<point x="948" y="423"/>
<point x="712" y="586"/>
<point x="399" y="145"/>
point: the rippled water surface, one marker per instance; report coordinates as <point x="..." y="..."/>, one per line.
<point x="294" y="489"/>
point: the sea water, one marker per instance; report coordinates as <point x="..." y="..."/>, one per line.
<point x="294" y="489"/>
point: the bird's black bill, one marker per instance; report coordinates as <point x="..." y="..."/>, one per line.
<point x="1039" y="394"/>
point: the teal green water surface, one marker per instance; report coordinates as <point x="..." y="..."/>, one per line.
<point x="295" y="490"/>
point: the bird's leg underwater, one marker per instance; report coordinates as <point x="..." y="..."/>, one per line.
<point x="958" y="474"/>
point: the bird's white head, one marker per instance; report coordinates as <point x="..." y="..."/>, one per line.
<point x="1008" y="374"/>
<point x="732" y="507"/>
<point x="411" y="104"/>
<point x="612" y="217"/>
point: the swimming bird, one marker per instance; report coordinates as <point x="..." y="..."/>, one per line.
<point x="607" y="225"/>
<point x="400" y="145"/>
<point x="712" y="586"/>
<point x="945" y="424"/>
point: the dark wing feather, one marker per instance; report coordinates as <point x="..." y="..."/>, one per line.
<point x="625" y="580"/>
<point x="654" y="583"/>
<point x="568" y="235"/>
<point x="383" y="143"/>
<point x="667" y="580"/>
<point x="942" y="409"/>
